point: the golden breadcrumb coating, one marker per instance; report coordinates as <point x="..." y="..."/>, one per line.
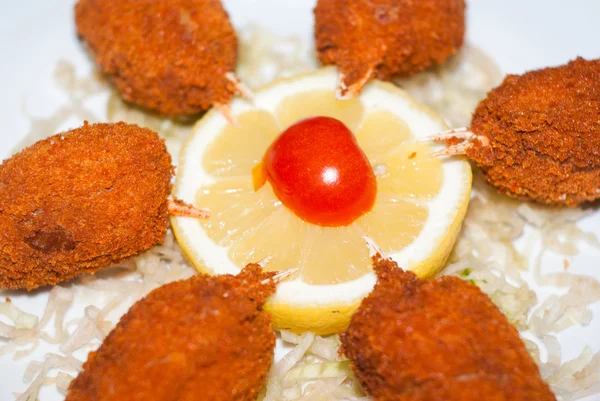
<point x="437" y="340"/>
<point x="167" y="56"/>
<point x="204" y="338"/>
<point x="386" y="38"/>
<point x="543" y="134"/>
<point x="81" y="200"/>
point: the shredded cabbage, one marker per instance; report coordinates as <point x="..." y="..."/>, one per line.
<point x="318" y="370"/>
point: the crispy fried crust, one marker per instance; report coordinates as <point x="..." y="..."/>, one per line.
<point x="544" y="132"/>
<point x="81" y="200"/>
<point x="439" y="339"/>
<point x="167" y="56"/>
<point x="204" y="338"/>
<point x="393" y="37"/>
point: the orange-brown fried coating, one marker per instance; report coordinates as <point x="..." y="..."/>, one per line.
<point x="439" y="339"/>
<point x="386" y="38"/>
<point x="81" y="200"/>
<point x="542" y="134"/>
<point x="171" y="57"/>
<point x="204" y="338"/>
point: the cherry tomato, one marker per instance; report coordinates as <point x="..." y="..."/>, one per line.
<point x="317" y="170"/>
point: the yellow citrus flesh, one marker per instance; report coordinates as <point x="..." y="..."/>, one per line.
<point x="318" y="103"/>
<point x="239" y="149"/>
<point x="373" y="143"/>
<point x="249" y="225"/>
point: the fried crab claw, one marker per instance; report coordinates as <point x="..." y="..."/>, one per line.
<point x="177" y="207"/>
<point x="82" y="200"/>
<point x="408" y="338"/>
<point x="201" y="335"/>
<point x="278" y="277"/>
<point x="350" y="87"/>
<point x="374" y="249"/>
<point x="175" y="58"/>
<point x="240" y="88"/>
<point x="536" y="136"/>
<point x="461" y="141"/>
<point x="385" y="39"/>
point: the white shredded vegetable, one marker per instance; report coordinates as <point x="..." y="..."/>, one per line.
<point x="318" y="370"/>
<point x="21" y="320"/>
<point x="280" y="369"/>
<point x="485" y="253"/>
<point x="454" y="88"/>
<point x="37" y="373"/>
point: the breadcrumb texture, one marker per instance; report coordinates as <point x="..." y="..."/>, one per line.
<point x="543" y="129"/>
<point x="396" y="38"/>
<point x="167" y="56"/>
<point x="439" y="339"/>
<point x="202" y="338"/>
<point x="81" y="200"/>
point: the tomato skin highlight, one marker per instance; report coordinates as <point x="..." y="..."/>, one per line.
<point x="317" y="170"/>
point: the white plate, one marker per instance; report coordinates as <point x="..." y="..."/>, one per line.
<point x="519" y="35"/>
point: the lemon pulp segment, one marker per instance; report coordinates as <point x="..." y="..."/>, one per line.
<point x="255" y="225"/>
<point x="319" y="103"/>
<point x="239" y="149"/>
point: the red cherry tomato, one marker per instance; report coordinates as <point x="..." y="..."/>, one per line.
<point x="318" y="171"/>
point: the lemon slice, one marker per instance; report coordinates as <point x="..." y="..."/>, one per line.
<point x="418" y="211"/>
